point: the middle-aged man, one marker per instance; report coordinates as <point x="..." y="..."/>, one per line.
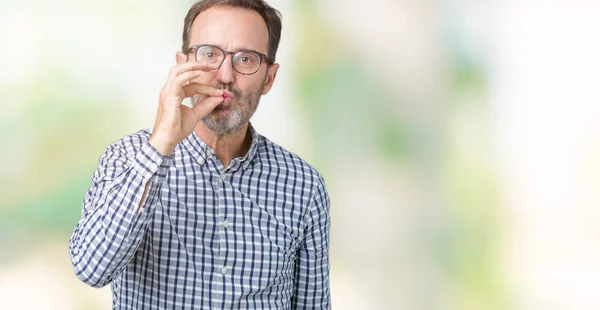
<point x="203" y="212"/>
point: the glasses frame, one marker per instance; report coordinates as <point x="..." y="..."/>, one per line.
<point x="262" y="57"/>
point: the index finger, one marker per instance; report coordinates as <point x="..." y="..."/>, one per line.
<point x="189" y="66"/>
<point x="201" y="89"/>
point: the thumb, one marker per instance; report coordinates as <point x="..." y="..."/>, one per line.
<point x="206" y="106"/>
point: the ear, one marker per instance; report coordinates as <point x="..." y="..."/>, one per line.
<point x="271" y="74"/>
<point x="180" y="58"/>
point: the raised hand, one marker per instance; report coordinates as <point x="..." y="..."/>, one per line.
<point x="174" y="121"/>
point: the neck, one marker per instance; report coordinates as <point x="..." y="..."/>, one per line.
<point x="226" y="147"/>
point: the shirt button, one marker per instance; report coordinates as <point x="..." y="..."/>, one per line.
<point x="153" y="166"/>
<point x="224" y="270"/>
<point x="225" y="224"/>
<point x="223" y="177"/>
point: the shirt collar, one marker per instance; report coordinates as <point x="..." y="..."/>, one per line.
<point x="201" y="152"/>
<point x="253" y="151"/>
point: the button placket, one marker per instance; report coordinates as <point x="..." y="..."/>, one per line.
<point x="221" y="214"/>
<point x="220" y="185"/>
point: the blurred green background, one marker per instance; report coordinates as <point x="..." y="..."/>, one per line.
<point x="460" y="141"/>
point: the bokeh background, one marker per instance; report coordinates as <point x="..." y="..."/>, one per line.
<point x="459" y="139"/>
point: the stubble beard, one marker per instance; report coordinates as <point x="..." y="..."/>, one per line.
<point x="240" y="110"/>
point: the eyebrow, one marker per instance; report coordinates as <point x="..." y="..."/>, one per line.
<point x="243" y="49"/>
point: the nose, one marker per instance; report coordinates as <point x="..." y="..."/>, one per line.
<point x="225" y="72"/>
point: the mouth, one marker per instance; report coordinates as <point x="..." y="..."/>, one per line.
<point x="228" y="97"/>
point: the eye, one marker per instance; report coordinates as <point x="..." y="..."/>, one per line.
<point x="208" y="53"/>
<point x="246" y="58"/>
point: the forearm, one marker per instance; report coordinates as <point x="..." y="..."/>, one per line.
<point x="311" y="282"/>
<point x="115" y="215"/>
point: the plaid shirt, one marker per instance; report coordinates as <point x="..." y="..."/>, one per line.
<point x="254" y="235"/>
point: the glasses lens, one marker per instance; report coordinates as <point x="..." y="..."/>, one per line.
<point x="246" y="62"/>
<point x="210" y="56"/>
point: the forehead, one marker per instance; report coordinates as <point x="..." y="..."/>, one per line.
<point x="230" y="28"/>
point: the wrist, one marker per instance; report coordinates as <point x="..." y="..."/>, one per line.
<point x="164" y="146"/>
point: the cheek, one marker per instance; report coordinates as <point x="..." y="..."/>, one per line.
<point x="253" y="85"/>
<point x="206" y="78"/>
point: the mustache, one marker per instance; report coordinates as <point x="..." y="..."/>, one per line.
<point x="236" y="91"/>
<point x="196" y="98"/>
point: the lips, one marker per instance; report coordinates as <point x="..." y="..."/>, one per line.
<point x="228" y="96"/>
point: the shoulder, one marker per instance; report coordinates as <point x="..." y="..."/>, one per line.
<point x="131" y="143"/>
<point x="134" y="141"/>
<point x="278" y="159"/>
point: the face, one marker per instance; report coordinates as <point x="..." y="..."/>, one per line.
<point x="232" y="29"/>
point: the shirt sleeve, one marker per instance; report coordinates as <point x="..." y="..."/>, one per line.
<point x="311" y="283"/>
<point x="114" y="219"/>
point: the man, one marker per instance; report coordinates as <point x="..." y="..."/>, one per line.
<point x="202" y="212"/>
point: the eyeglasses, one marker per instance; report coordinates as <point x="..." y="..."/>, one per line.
<point x="244" y="62"/>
